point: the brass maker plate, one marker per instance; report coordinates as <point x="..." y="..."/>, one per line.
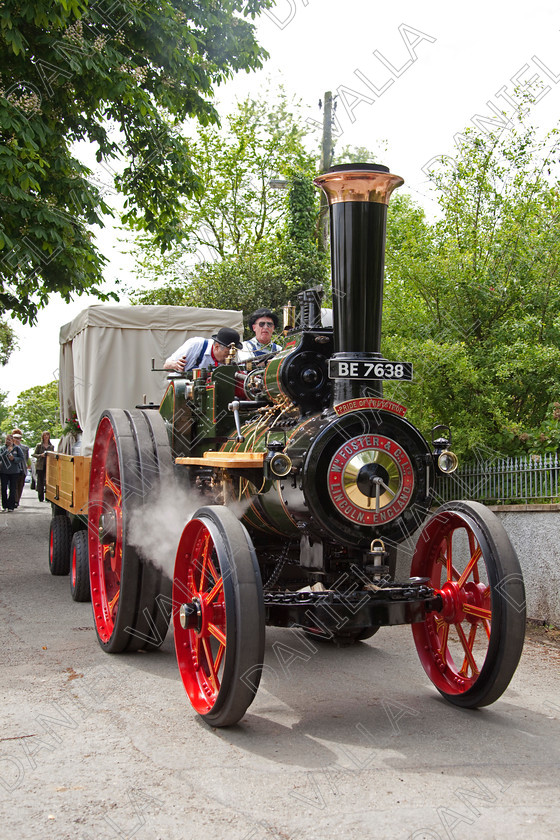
<point x="370" y="479"/>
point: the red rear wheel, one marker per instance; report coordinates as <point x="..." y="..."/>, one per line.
<point x="130" y="595"/>
<point x="471" y="647"/>
<point x="218" y="616"/>
<point x="105" y="525"/>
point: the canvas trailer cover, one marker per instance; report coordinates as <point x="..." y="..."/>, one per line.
<point x="106" y="356"/>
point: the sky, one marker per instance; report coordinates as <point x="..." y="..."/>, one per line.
<point x="407" y="77"/>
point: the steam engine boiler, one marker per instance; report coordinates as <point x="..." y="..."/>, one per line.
<point x="306" y="480"/>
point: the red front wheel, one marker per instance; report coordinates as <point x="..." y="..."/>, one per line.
<point x="218" y="616"/>
<point x="470" y="648"/>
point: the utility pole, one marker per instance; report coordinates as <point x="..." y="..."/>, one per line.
<point x="326" y="157"/>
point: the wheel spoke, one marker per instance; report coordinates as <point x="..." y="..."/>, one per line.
<point x="218" y="587"/>
<point x="444" y="560"/>
<point x="210" y="665"/>
<point x="467" y="647"/>
<point x="472" y="566"/>
<point x="202" y="567"/>
<point x="444" y="626"/>
<point x="220" y="656"/>
<point x="113" y="603"/>
<point x="114" y="487"/>
<point x="218" y="634"/>
<point x="449" y="556"/>
<point x="474" y="549"/>
<point x="478" y="612"/>
<point x="464" y="667"/>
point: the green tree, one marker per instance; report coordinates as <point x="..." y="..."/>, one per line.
<point x="36" y="410"/>
<point x="235" y="208"/>
<point x="473" y="298"/>
<point x="8" y="342"/>
<point x="123" y="76"/>
<point x="262" y="241"/>
<point x="4" y="412"/>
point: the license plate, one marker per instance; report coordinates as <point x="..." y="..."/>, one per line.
<point x="379" y="370"/>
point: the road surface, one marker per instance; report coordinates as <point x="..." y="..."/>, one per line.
<point x="339" y="744"/>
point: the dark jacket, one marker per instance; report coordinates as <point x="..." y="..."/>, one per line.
<point x="25" y="452"/>
<point x="39" y="454"/>
<point x="11" y="465"/>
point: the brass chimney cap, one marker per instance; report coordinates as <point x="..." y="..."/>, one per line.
<point x="366" y="182"/>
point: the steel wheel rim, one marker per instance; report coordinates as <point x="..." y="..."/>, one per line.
<point x="201" y="650"/>
<point x="454" y="643"/>
<point x="105" y="500"/>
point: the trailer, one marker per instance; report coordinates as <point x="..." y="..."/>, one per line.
<point x="110" y="356"/>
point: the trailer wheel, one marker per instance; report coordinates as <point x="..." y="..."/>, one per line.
<point x="60" y="538"/>
<point x="131" y="596"/>
<point x="79" y="567"/>
<point x="470" y="648"/>
<point x="218" y="616"/>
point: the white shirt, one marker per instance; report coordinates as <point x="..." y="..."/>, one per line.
<point x="192" y="349"/>
<point x="252" y="348"/>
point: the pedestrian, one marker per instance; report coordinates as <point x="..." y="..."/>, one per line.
<point x="11" y="460"/>
<point x="41" y="463"/>
<point x="204" y="352"/>
<point x="17" y="435"/>
<point x="263" y="322"/>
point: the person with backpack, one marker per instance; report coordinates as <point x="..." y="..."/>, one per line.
<point x="203" y="352"/>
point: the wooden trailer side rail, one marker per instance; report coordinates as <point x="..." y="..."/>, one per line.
<point x="67" y="481"/>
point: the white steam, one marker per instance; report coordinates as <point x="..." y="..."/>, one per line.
<point x="155" y="528"/>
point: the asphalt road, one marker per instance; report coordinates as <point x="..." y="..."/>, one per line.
<point x="339" y="743"/>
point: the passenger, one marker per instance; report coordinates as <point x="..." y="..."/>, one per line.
<point x="17" y="435"/>
<point x="204" y="352"/>
<point x="263" y="322"/>
<point x="11" y="461"/>
<point x="41" y="465"/>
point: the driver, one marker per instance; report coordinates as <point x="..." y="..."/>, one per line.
<point x="263" y="322"/>
<point x="203" y="352"/>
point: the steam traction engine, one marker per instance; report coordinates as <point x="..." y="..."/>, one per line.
<point x="306" y="480"/>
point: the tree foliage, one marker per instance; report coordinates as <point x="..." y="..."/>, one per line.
<point x="259" y="242"/>
<point x="123" y="76"/>
<point x="36" y="410"/>
<point x="4" y="411"/>
<point x="8" y="342"/>
<point x="473" y="298"/>
<point x="270" y="274"/>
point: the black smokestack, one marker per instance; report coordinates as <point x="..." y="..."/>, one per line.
<point x="358" y="195"/>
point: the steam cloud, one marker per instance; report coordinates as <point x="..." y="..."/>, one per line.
<point x="155" y="528"/>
